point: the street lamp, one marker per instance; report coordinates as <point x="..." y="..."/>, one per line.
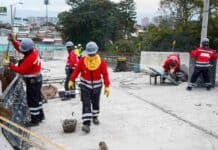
<point x="13" y="12"/>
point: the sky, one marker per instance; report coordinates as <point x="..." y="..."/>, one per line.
<point x="37" y="8"/>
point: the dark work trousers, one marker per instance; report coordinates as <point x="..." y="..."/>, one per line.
<point x="90" y="103"/>
<point x="68" y="72"/>
<point x="205" y="74"/>
<point x="34" y="100"/>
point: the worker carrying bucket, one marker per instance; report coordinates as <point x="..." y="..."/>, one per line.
<point x="92" y="68"/>
<point x="30" y="69"/>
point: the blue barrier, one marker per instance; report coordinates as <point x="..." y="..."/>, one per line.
<point x="14" y="98"/>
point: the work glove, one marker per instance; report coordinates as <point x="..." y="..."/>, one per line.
<point x="172" y="71"/>
<point x="106" y="91"/>
<point x="6" y="60"/>
<point x="11" y="37"/>
<point x="71" y="85"/>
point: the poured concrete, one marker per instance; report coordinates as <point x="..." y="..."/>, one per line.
<point x="137" y="116"/>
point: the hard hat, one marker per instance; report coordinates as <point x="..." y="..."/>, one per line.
<point x="205" y="40"/>
<point x="91" y="48"/>
<point x="26" y="45"/>
<point x="69" y="44"/>
<point x="79" y="45"/>
<point x="75" y="46"/>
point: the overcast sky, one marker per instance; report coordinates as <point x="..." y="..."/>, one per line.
<point x="37" y="7"/>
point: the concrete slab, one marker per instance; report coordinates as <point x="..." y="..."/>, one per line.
<point x="137" y="116"/>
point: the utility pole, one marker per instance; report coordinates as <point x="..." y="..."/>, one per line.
<point x="46" y="2"/>
<point x="205" y="19"/>
<point x="12" y="20"/>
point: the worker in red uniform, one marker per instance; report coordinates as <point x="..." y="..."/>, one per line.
<point x="92" y="68"/>
<point x="172" y="65"/>
<point x="202" y="56"/>
<point x="30" y="69"/>
<point x="71" y="64"/>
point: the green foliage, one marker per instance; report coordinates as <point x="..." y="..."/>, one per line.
<point x="182" y="23"/>
<point x="215" y="43"/>
<point x="96" y="20"/>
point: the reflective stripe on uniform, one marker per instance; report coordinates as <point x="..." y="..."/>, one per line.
<point x="87" y="115"/>
<point x="202" y="65"/>
<point x="35" y="108"/>
<point x="32" y="75"/>
<point x="90" y="86"/>
<point x="199" y="62"/>
<point x="34" y="113"/>
<point x="90" y="82"/>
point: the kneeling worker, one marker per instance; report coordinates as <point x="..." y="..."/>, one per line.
<point x="91" y="68"/>
<point x="172" y="65"/>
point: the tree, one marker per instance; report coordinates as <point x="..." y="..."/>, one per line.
<point x="181" y="21"/>
<point x="127" y="16"/>
<point x="97" y="20"/>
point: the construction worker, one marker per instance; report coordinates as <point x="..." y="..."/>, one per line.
<point x="80" y="48"/>
<point x="172" y="65"/>
<point x="78" y="52"/>
<point x="30" y="69"/>
<point x="71" y="64"/>
<point x="91" y="69"/>
<point x="202" y="57"/>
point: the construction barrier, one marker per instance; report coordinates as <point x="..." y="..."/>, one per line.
<point x="14" y="99"/>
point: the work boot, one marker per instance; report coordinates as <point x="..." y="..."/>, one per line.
<point x="189" y="88"/>
<point x="31" y="124"/>
<point x="208" y="88"/>
<point x="86" y="128"/>
<point x="96" y="121"/>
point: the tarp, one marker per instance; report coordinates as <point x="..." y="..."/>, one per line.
<point x="14" y="98"/>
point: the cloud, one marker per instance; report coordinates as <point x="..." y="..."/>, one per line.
<point x="37" y="7"/>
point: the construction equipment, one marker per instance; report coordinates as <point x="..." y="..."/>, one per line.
<point x="163" y="75"/>
<point x="69" y="125"/>
<point x="121" y="64"/>
<point x="67" y="95"/>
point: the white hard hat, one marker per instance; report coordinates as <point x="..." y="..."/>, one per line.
<point x="69" y="44"/>
<point x="26" y="45"/>
<point x="91" y="48"/>
<point x="204" y="40"/>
